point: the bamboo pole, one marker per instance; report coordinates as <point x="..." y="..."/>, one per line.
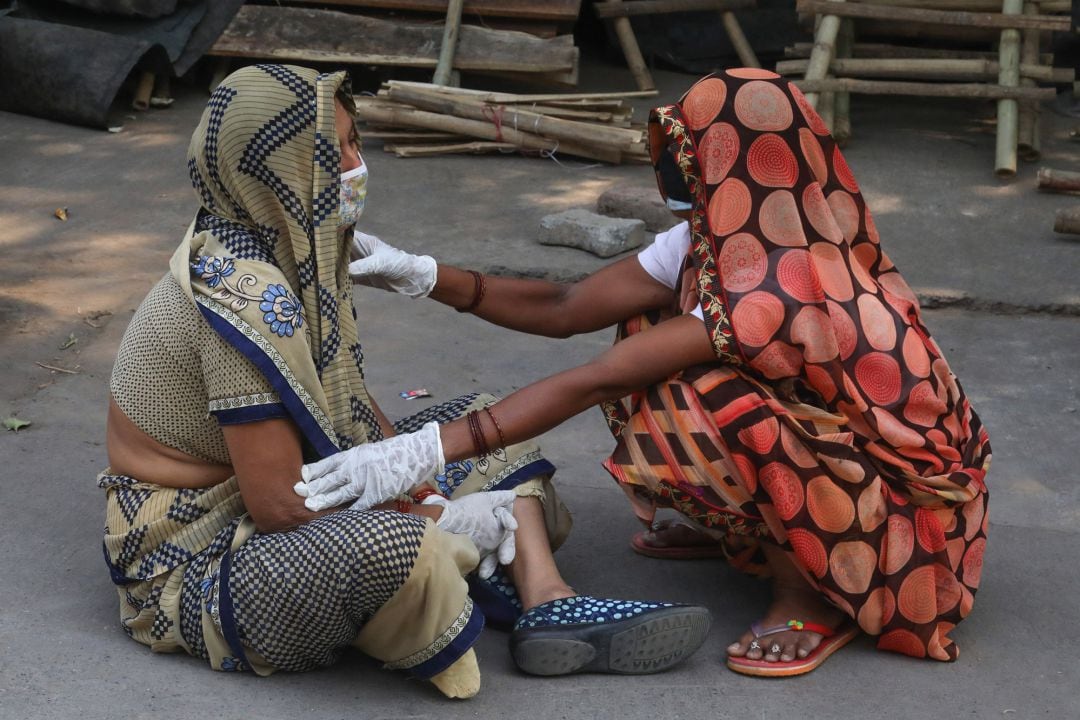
<point x="824" y="50"/>
<point x="1028" y="145"/>
<point x="865" y="51"/>
<point x="383" y="113"/>
<point x="504" y="116"/>
<point x="445" y="66"/>
<point x="845" y="41"/>
<point x="957" y="90"/>
<point x="478" y="147"/>
<point x="625" y="32"/>
<point x="509" y="98"/>
<point x="661" y="7"/>
<point x="1008" y="108"/>
<point x="1067" y="221"/>
<point x="930" y="68"/>
<point x="738" y="40"/>
<point x="141" y="101"/>
<point x="1058" y="180"/>
<point x="957" y="18"/>
<point x="969" y="5"/>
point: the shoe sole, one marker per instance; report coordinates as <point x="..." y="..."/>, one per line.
<point x="652" y="643"/>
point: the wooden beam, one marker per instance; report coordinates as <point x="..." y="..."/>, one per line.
<point x="624" y="31"/>
<point x="957" y="18"/>
<point x="824" y="51"/>
<point x="928" y="68"/>
<point x="563" y="11"/>
<point x="445" y="66"/>
<point x="630" y="8"/>
<point x="957" y="90"/>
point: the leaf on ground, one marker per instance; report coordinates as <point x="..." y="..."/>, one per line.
<point x="14" y="423"/>
<point x="69" y="342"/>
<point x="61" y="213"/>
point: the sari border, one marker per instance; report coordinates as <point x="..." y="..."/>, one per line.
<point x="301" y="407"/>
<point x="446" y="649"/>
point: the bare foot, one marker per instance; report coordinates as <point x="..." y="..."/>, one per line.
<point x="793" y="599"/>
<point x="674" y="533"/>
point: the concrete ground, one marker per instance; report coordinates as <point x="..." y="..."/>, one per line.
<point x="978" y="249"/>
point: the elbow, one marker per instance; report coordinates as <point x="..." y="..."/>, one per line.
<point x="281" y="519"/>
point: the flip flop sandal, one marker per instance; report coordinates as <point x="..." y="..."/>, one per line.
<point x="641" y="546"/>
<point x="587" y="634"/>
<point x="832" y="640"/>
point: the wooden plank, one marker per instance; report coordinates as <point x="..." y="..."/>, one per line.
<point x="969" y="5"/>
<point x="957" y="90"/>
<point x="301" y="34"/>
<point x="883" y="50"/>
<point x="956" y="18"/>
<point x="506" y="98"/>
<point x="630" y="8"/>
<point x="564" y="11"/>
<point x="478" y="147"/>
<point x="928" y="69"/>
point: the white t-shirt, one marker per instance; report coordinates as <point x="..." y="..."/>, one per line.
<point x="664" y="258"/>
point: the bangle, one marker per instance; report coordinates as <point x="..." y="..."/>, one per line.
<point x="424" y="492"/>
<point x="480" y="446"/>
<point x="403" y="506"/>
<point x="479" y="288"/>
<point x="498" y="429"/>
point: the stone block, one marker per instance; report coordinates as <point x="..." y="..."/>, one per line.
<point x="643" y="203"/>
<point x="583" y="229"/>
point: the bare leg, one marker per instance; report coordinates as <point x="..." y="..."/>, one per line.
<point x="534" y="571"/>
<point x="793" y="599"/>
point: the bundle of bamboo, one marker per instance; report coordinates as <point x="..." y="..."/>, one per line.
<point x="443" y="120"/>
<point x="835" y="65"/>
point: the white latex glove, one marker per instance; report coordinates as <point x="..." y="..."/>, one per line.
<point x="387" y="268"/>
<point x="488" y="519"/>
<point x="373" y="472"/>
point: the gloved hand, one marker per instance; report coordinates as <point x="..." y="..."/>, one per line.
<point x="488" y="519"/>
<point x="387" y="268"/>
<point x="373" y="472"/>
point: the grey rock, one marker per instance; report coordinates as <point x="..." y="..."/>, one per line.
<point x="583" y="229"/>
<point x="643" y="203"/>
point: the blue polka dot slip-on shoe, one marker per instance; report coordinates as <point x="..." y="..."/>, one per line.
<point x="587" y="634"/>
<point x="497" y="598"/>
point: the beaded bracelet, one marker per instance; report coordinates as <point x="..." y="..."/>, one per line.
<point x="479" y="289"/>
<point x="403" y="506"/>
<point x="418" y="496"/>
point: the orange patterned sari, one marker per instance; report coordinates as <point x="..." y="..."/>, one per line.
<point x="832" y="423"/>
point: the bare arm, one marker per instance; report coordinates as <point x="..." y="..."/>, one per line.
<point x="637" y="362"/>
<point x="616" y="292"/>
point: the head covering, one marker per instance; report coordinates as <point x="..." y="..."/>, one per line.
<point x="795" y="287"/>
<point x="264" y="258"/>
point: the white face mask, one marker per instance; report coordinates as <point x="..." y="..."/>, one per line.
<point x="353" y="195"/>
<point x="678" y="205"/>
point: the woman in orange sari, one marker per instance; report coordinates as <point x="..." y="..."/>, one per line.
<point x="773" y="382"/>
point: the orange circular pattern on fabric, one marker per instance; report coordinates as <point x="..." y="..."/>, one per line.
<point x="730" y="206"/>
<point x="899" y="544"/>
<point x="928" y="530"/>
<point x="864" y="255"/>
<point x="742" y="263"/>
<point x="955" y="550"/>
<point x="810" y="551"/>
<point x="798" y="278"/>
<point x="778" y="360"/>
<point x="849" y="470"/>
<point x="967" y="601"/>
<point x="878" y="375"/>
<point x="897" y="434"/>
<point x="809" y="113"/>
<point x="871" y="226"/>
<point x="779" y="220"/>
<point x="916" y="599"/>
<point x="973" y="562"/>
<point x="916" y="358"/>
<point x="821" y="381"/>
<point x="756" y="318"/>
<point x="762" y="106"/>
<point x="895" y="284"/>
<point x="923" y="406"/>
<point x="947" y="588"/>
<point x="843" y="328"/>
<point x="813" y="329"/>
<point x="814" y="155"/>
<point x="878" y="324"/>
<point x="771" y="162"/>
<point x="748" y="73"/>
<point x="761" y="436"/>
<point x="783" y="487"/>
<point x="796" y="449"/>
<point x="871" y="507"/>
<point x="703" y="103"/>
<point x="853" y="392"/>
<point x="717" y="152"/>
<point x="904" y="642"/>
<point x="852" y="564"/>
<point x="877" y="610"/>
<point x="940" y="646"/>
<point x="832" y="271"/>
<point x="820" y="214"/>
<point x="843" y="172"/>
<point x="829" y="506"/>
<point x="973" y="516"/>
<point x="747" y="471"/>
<point x="845" y="212"/>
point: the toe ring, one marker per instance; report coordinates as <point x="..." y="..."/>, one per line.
<point x="755" y="645"/>
<point x="775" y="649"/>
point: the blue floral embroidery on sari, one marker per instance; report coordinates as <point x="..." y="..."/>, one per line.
<point x="453" y="475"/>
<point x="213" y="269"/>
<point x="231" y="664"/>
<point x="282" y="310"/>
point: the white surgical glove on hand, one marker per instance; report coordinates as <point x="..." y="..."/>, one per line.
<point x="488" y="519"/>
<point x="387" y="268"/>
<point x="373" y="472"/>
